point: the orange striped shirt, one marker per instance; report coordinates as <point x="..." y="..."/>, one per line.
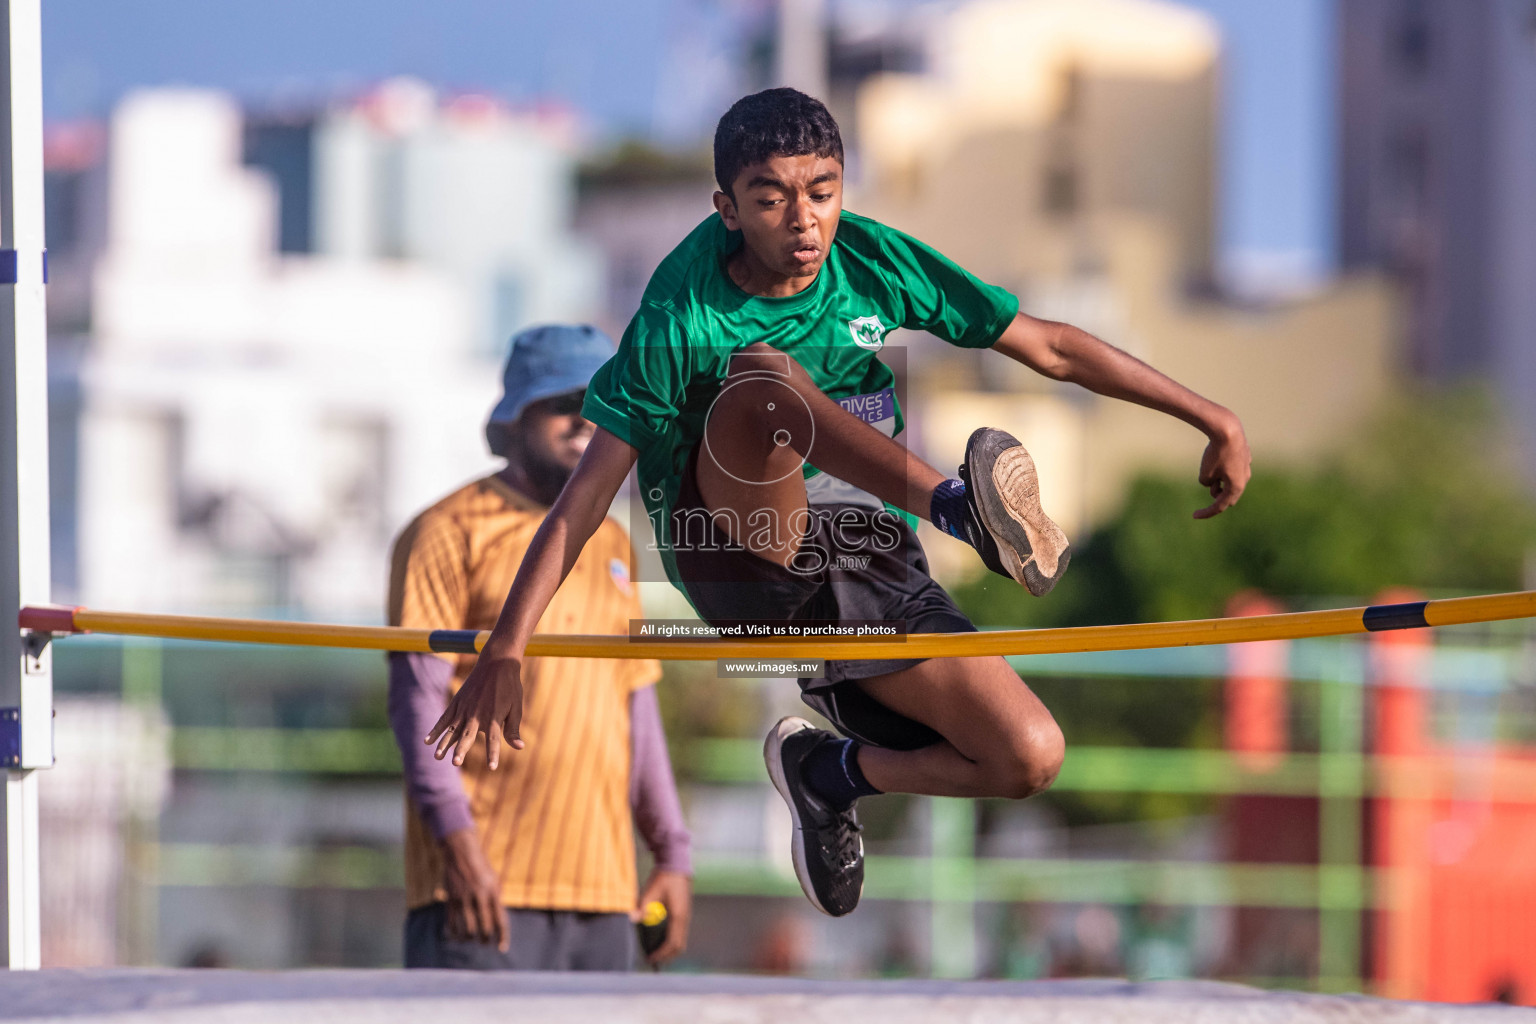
<point x="554" y="819"/>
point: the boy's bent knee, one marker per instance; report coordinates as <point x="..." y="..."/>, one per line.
<point x="761" y="406"/>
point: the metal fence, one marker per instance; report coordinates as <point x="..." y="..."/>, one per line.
<point x="301" y="715"/>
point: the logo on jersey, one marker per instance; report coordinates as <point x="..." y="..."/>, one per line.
<point x="620" y="574"/>
<point x="868" y="332"/>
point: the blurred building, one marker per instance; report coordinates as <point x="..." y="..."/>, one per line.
<point x="1438" y="153"/>
<point x="635" y="205"/>
<point x="1066" y="149"/>
<point x="464" y="186"/>
<point x="276" y="339"/>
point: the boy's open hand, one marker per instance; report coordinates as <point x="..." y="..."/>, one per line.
<point x="1225" y="469"/>
<point x="489" y="702"/>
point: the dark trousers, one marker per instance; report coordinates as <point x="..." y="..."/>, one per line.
<point x="541" y="940"/>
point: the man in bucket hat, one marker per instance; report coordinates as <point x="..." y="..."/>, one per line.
<point x="532" y="868"/>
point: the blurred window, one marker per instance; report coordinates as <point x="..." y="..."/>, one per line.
<point x="511" y="307"/>
<point x="1071" y="108"/>
<point x="631" y="273"/>
<point x="354" y="456"/>
<point x="61" y="209"/>
<point x="284" y="150"/>
<point x="1061" y="188"/>
<point x="1408" y="168"/>
<point x="1411" y="39"/>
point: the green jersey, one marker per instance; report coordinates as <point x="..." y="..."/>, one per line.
<point x="656" y="391"/>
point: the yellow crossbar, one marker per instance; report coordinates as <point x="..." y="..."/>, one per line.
<point x="1137" y="636"/>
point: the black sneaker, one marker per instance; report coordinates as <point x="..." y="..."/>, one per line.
<point x="826" y="846"/>
<point x="1005" y="522"/>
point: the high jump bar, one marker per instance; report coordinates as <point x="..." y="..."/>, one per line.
<point x="43" y="621"/>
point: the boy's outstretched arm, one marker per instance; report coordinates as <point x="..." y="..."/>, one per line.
<point x="491" y="699"/>
<point x="1063" y="352"/>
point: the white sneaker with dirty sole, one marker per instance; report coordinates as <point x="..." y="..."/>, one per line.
<point x="1006" y="524"/>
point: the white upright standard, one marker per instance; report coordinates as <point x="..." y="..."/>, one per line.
<point x="26" y="680"/>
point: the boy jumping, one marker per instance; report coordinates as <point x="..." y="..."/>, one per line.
<point x="748" y="389"/>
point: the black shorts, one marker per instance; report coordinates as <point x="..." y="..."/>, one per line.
<point x="856" y="563"/>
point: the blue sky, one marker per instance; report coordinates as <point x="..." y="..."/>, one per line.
<point x="1278" y="138"/>
<point x="601" y="56"/>
<point x="619" y="60"/>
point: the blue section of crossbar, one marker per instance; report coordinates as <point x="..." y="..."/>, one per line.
<point x="452" y="641"/>
<point x="1380" y="617"/>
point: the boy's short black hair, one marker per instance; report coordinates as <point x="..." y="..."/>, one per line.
<point x="774" y="122"/>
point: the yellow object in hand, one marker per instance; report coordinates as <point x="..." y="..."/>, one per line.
<point x="652" y="926"/>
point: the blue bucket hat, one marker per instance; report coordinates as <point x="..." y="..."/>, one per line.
<point x="545" y="361"/>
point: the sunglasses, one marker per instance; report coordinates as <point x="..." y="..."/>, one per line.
<point x="562" y="405"/>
